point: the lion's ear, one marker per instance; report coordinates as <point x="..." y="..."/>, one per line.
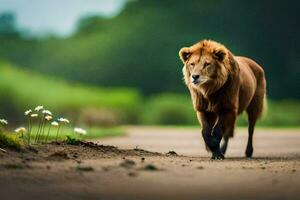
<point x="184" y="54"/>
<point x="219" y="54"/>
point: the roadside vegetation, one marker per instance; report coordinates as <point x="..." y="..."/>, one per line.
<point x="42" y="127"/>
<point x="103" y="108"/>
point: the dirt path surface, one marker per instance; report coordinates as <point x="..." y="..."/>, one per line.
<point x="88" y="171"/>
<point x="188" y="141"/>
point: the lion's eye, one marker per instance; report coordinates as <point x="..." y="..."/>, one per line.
<point x="206" y="64"/>
<point x="192" y="64"/>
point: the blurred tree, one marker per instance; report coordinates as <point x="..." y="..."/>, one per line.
<point x="89" y="24"/>
<point x="139" y="48"/>
<point x="8" y="26"/>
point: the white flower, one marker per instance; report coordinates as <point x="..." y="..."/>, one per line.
<point x="21" y="130"/>
<point x="3" y="121"/>
<point x="47" y="112"/>
<point x="48" y="117"/>
<point x="64" y="120"/>
<point x="54" y="123"/>
<point x="80" y="131"/>
<point x="34" y="115"/>
<point x="27" y="112"/>
<point x="38" y="108"/>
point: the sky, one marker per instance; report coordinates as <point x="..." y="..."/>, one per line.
<point x="57" y="16"/>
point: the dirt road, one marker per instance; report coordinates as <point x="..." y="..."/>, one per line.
<point x="188" y="141"/>
<point x="97" y="172"/>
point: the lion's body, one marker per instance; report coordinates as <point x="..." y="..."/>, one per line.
<point x="231" y="85"/>
<point x="253" y="85"/>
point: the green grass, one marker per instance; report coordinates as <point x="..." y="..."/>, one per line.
<point x="13" y="141"/>
<point x="92" y="133"/>
<point x="10" y="141"/>
<point x="284" y="113"/>
<point x="169" y="109"/>
<point x="22" y="89"/>
<point x="176" y="109"/>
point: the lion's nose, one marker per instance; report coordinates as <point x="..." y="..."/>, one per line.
<point x="195" y="77"/>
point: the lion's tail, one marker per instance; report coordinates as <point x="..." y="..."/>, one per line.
<point x="265" y="107"/>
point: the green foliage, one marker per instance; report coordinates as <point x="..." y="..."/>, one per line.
<point x="278" y="114"/>
<point x="169" y="109"/>
<point x="8" y="26"/>
<point x="139" y="47"/>
<point x="22" y="89"/>
<point x="10" y="141"/>
<point x="176" y="109"/>
<point x="72" y="141"/>
<point x="67" y="131"/>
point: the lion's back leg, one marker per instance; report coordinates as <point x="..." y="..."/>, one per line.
<point x="224" y="144"/>
<point x="254" y="111"/>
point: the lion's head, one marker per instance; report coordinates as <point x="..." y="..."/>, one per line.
<point x="206" y="66"/>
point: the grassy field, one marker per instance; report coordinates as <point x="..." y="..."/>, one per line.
<point x="92" y="133"/>
<point x="177" y="109"/>
<point x="85" y="104"/>
<point x="13" y="140"/>
<point x="21" y="89"/>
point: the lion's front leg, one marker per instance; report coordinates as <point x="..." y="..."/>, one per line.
<point x="212" y="136"/>
<point x="212" y="139"/>
<point x="224" y="125"/>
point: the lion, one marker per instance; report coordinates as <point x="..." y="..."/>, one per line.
<point x="222" y="86"/>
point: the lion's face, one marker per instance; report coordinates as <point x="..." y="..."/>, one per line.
<point x="204" y="67"/>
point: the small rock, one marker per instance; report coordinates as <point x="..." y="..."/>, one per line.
<point x="200" y="167"/>
<point x="84" y="168"/>
<point x="59" y="155"/>
<point x="150" y="167"/>
<point x="172" y="153"/>
<point x="75" y="155"/>
<point x="132" y="174"/>
<point x="105" y="169"/>
<point x="3" y="150"/>
<point x="127" y="163"/>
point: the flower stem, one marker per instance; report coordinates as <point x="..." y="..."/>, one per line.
<point x="48" y="133"/>
<point x="29" y="130"/>
<point x="57" y="133"/>
<point x="37" y="133"/>
<point x="42" y="130"/>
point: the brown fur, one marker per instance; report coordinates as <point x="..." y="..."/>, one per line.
<point x="227" y="86"/>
